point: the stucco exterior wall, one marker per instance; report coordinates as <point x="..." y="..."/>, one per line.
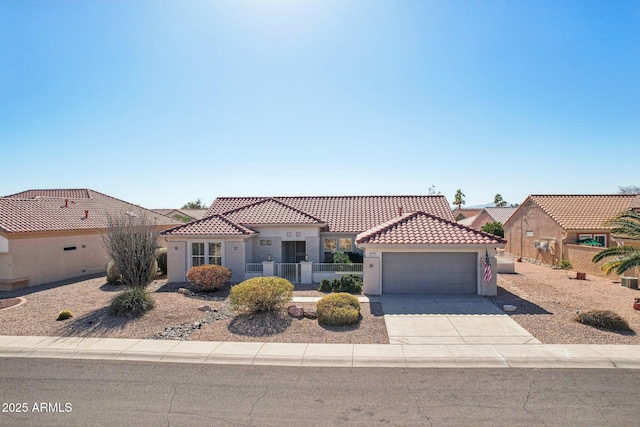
<point x="261" y="252"/>
<point x="44" y="260"/>
<point x="4" y="244"/>
<point x="177" y="261"/>
<point x="580" y="257"/>
<point x="481" y="220"/>
<point x="235" y="259"/>
<point x="531" y="224"/>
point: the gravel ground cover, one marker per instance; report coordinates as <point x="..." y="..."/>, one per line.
<point x="547" y="300"/>
<point x="175" y="316"/>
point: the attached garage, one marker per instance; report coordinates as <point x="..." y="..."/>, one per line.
<point x="429" y="272"/>
<point x="422" y="253"/>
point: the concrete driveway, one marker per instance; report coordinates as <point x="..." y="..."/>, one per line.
<point x="449" y="319"/>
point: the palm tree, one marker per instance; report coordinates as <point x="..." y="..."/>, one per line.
<point x="499" y="201"/>
<point x="458" y="199"/>
<point x="626" y="224"/>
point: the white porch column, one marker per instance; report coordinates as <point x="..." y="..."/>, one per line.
<point x="371" y="276"/>
<point x="268" y="268"/>
<point x="306" y="272"/>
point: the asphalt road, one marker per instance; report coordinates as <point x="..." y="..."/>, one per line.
<point x="87" y="392"/>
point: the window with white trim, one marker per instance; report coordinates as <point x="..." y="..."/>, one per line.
<point x="601" y="238"/>
<point x="206" y="253"/>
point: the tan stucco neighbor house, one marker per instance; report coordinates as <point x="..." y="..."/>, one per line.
<point x="551" y="228"/>
<point x="400" y="244"/>
<point x="492" y="214"/>
<point x="51" y="235"/>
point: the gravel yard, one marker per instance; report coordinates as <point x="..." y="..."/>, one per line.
<point x="548" y="299"/>
<point x="175" y="316"/>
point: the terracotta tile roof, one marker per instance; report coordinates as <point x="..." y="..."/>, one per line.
<point x="57" y="210"/>
<point x="270" y="211"/>
<point x="347" y="214"/>
<point x="581" y="211"/>
<point x="420" y="228"/>
<point x="500" y="215"/>
<point x="216" y="225"/>
<point x="635" y="203"/>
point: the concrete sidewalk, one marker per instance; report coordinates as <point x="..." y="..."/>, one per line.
<point x="335" y="355"/>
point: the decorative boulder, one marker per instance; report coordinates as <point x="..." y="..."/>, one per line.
<point x="297" y="312"/>
<point x="310" y="313"/>
<point x="205" y="308"/>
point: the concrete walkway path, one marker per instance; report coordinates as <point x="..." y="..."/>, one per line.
<point x="335" y="355"/>
<point x="449" y="319"/>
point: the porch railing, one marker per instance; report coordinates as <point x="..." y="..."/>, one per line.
<point x="253" y="267"/>
<point x="336" y="268"/>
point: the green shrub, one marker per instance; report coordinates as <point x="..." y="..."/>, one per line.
<point x="64" y="315"/>
<point x="209" y="277"/>
<point x="351" y="283"/>
<point x="113" y="274"/>
<point x="604" y="319"/>
<point x="341" y="258"/>
<point x="565" y="264"/>
<point x="325" y="286"/>
<point x="340" y="309"/>
<point x="133" y="301"/>
<point x="162" y="259"/>
<point x="261" y="294"/>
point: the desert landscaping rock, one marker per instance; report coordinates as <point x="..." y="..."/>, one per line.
<point x="310" y="313"/>
<point x="297" y="312"/>
<point x="205" y="308"/>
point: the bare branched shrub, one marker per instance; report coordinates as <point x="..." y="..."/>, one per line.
<point x="131" y="242"/>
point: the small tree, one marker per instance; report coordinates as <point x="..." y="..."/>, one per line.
<point x="194" y="205"/>
<point x="432" y="191"/>
<point x="629" y="189"/>
<point x="494" y="228"/>
<point x="131" y="241"/>
<point x="499" y="201"/>
<point x="458" y="199"/>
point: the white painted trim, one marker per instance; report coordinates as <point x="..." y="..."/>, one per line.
<point x="206" y="251"/>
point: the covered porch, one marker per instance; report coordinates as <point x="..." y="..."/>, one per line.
<point x="304" y="272"/>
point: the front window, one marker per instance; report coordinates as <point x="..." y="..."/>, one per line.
<point x="345" y="245"/>
<point x="206" y="253"/>
<point x="215" y="253"/>
<point x="601" y="238"/>
<point x="197" y="254"/>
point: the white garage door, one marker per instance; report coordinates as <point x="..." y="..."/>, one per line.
<point x="415" y="272"/>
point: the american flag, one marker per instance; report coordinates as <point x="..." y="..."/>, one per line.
<point x="487" y="267"/>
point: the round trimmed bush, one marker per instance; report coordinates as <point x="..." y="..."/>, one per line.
<point x="261" y="294"/>
<point x="209" y="277"/>
<point x="339" y="309"/>
<point x="132" y="302"/>
<point x="113" y="274"/>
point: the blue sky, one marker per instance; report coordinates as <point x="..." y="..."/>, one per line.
<point x="160" y="103"/>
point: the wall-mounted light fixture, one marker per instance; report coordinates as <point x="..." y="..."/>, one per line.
<point x="269" y="257"/>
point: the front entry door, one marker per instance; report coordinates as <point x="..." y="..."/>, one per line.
<point x="293" y="251"/>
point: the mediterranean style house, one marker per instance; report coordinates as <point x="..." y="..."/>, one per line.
<point x="551" y="228"/>
<point x="400" y="244"/>
<point x="51" y="235"/>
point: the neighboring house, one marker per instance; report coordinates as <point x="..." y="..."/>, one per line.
<point x="408" y="243"/>
<point x="51" y="235"/>
<point x="491" y="214"/>
<point x="549" y="228"/>
<point x="183" y="215"/>
<point x="463" y="213"/>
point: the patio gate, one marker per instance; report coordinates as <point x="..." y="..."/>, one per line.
<point x="289" y="271"/>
